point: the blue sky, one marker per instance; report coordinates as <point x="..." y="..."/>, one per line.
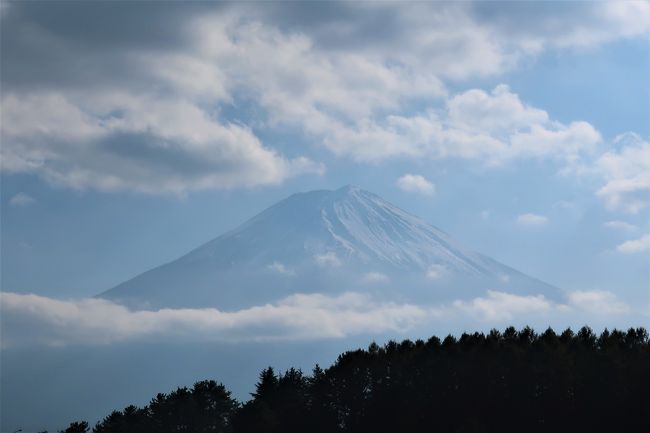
<point x="123" y="149"/>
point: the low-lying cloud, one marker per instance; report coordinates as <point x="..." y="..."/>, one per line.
<point x="39" y="319"/>
<point x="29" y="319"/>
<point x="500" y="305"/>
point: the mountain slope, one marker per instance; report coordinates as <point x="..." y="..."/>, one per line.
<point x="324" y="241"/>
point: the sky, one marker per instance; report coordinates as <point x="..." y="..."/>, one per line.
<point x="135" y="132"/>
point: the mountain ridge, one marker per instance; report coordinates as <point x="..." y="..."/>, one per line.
<point x="322" y="240"/>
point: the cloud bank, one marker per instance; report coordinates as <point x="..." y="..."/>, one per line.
<point x="44" y="320"/>
<point x="182" y="104"/>
<point x="37" y="320"/>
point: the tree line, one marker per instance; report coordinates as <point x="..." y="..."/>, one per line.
<point x="511" y="381"/>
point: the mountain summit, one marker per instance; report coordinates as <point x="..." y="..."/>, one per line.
<point x="326" y="242"/>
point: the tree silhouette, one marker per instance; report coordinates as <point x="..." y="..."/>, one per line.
<point x="76" y="427"/>
<point x="510" y="381"/>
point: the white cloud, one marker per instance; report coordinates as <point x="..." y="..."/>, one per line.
<point x="494" y="127"/>
<point x="468" y="39"/>
<point x="597" y="302"/>
<point x="375" y="278"/>
<point x="281" y="269"/>
<point x="635" y="245"/>
<point x="501" y="110"/>
<point x="504" y="306"/>
<point x="626" y="173"/>
<point x="628" y="18"/>
<point x="153" y="146"/>
<point x="436" y="271"/>
<point x="620" y="225"/>
<point x="501" y="306"/>
<point x="155" y="130"/>
<point x="329" y="259"/>
<point x="97" y="321"/>
<point x="515" y="129"/>
<point x="21" y="199"/>
<point x="416" y="183"/>
<point x="531" y="219"/>
<point x="555" y="140"/>
<point x="569" y="25"/>
<point x="38" y="320"/>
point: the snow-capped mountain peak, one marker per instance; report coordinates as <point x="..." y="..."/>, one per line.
<point x="304" y="237"/>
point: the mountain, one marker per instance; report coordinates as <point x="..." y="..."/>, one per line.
<point x="325" y="242"/>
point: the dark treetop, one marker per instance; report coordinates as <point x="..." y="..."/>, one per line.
<point x="500" y="382"/>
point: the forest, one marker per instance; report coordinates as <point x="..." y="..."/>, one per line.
<point x="510" y="381"/>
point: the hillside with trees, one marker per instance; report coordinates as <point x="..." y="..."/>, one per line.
<point x="511" y="381"/>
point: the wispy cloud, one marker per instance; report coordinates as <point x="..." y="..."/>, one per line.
<point x="620" y="225"/>
<point x="598" y="302"/>
<point x="329" y="259"/>
<point x="375" y="278"/>
<point x="436" y="272"/>
<point x="635" y="245"/>
<point x="626" y="172"/>
<point x="281" y="269"/>
<point x="21" y="199"/>
<point x="531" y="219"/>
<point x="416" y="183"/>
<point x="503" y="306"/>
